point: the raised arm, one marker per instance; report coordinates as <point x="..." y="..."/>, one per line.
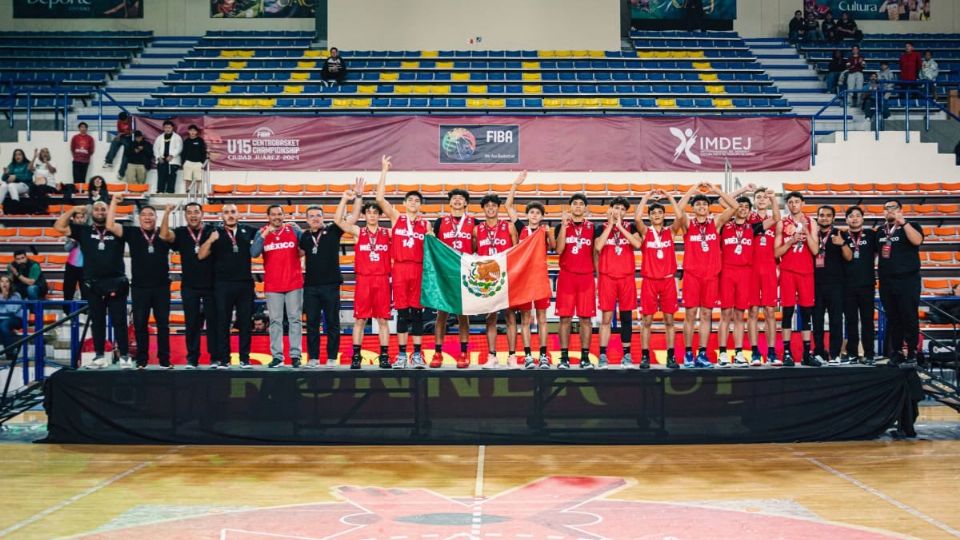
<point x="388" y="209"/>
<point x="608" y="228"/>
<point x="112" y="224"/>
<point x="780" y="244"/>
<point x="562" y="232"/>
<point x="348" y="224"/>
<point x="62" y="225"/>
<point x="730" y="205"/>
<point x="638" y="215"/>
<point x="680" y="224"/>
<point x="208" y="245"/>
<point x="165" y="233"/>
<point x="913" y="235"/>
<point x="511" y="211"/>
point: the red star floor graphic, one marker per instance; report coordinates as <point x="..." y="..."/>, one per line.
<point x="552" y="508"/>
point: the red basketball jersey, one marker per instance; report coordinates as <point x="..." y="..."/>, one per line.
<point x="408" y="239"/>
<point x="659" y="255"/>
<point x="372" y="252"/>
<point x="616" y="257"/>
<point x="493" y="240"/>
<point x="577" y="256"/>
<point x="798" y="258"/>
<point x="737" y="240"/>
<point x="457" y="232"/>
<point x="701" y="249"/>
<point x="763" y="240"/>
<point x="281" y="261"/>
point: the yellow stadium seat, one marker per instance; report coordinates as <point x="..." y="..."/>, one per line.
<point x="661" y="54"/>
<point x="247" y="102"/>
<point x="610" y="102"/>
<point x="429" y="54"/>
<point x="530" y="65"/>
<point x="723" y="103"/>
<point x="459" y="76"/>
<point x="531" y="76"/>
<point x="389" y="76"/>
<point x="362" y="103"/>
<point x="228" y="54"/>
<point x="546" y="54"/>
<point x="300" y="76"/>
<point x="266" y="103"/>
<point x="664" y="103"/>
<point x="220" y="89"/>
<point x="596" y="54"/>
<point x="591" y="103"/>
<point x="314" y="53"/>
<point x="644" y="54"/>
<point x="571" y="102"/>
<point x="496" y="103"/>
<point x="304" y="64"/>
<point x="292" y="89"/>
<point x="716" y="89"/>
<point x="444" y="65"/>
<point x="229" y="76"/>
<point x="245" y="54"/>
<point x="580" y="53"/>
<point x="227" y="102"/>
<point x="403" y="89"/>
<point x="237" y="64"/>
<point x="695" y="54"/>
<point x="475" y="103"/>
<point x="341" y="103"/>
<point x="702" y="65"/>
<point x="477" y="89"/>
<point x="532" y="89"/>
<point x="439" y="89"/>
<point x="421" y="89"/>
<point x="562" y="53"/>
<point x="708" y="76"/>
<point x="551" y="102"/>
<point x="409" y="64"/>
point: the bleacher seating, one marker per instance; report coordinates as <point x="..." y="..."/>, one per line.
<point x="278" y="72"/>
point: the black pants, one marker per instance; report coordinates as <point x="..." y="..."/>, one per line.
<point x="116" y="305"/>
<point x="858" y="308"/>
<point x="145" y="300"/>
<point x="828" y="299"/>
<point x="167" y="178"/>
<point x="900" y="297"/>
<point x="73" y="280"/>
<point x="80" y="172"/>
<point x="199" y="306"/>
<point x="233" y="296"/>
<point x="322" y="301"/>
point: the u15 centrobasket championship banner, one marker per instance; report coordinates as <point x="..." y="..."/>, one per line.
<point x="553" y="143"/>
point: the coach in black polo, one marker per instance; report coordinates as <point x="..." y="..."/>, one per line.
<point x="898" y="267"/>
<point x="105" y="277"/>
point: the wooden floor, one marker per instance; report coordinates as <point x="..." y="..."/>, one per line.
<point x="875" y="489"/>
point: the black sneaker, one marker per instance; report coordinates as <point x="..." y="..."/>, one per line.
<point x="585" y="363"/>
<point x="810" y="361"/>
<point x="564" y="363"/>
<point x="385" y="362"/>
<point x="245" y="363"/>
<point x="295" y="362"/>
<point x="645" y="362"/>
<point x="191" y="365"/>
<point x="788" y="360"/>
<point x="355" y="361"/>
<point x="672" y="363"/>
<point x="225" y="364"/>
<point x="276" y="362"/>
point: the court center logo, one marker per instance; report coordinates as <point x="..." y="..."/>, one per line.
<point x="484" y="279"/>
<point x="687" y="139"/>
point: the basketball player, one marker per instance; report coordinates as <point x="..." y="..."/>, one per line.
<point x="615" y="244"/>
<point x="535" y="215"/>
<point x="491" y="236"/>
<point x="796" y="242"/>
<point x="455" y="230"/>
<point x="406" y="251"/>
<point x="763" y="277"/>
<point x="576" y="289"/>
<point x="736" y="236"/>
<point x="658" y="292"/>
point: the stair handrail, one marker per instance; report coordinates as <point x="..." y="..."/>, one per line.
<point x="954" y="322"/>
<point x="101" y="93"/>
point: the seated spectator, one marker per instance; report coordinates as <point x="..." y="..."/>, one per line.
<point x="27" y="277"/>
<point x="910" y="62"/>
<point x="44" y="180"/>
<point x="836" y="68"/>
<point x="829" y="29"/>
<point x="811" y="29"/>
<point x="795" y="28"/>
<point x="17" y="178"/>
<point x="847" y="27"/>
<point x="870" y="100"/>
<point x="10" y="319"/>
<point x="885" y="78"/>
<point x="334" y="68"/>
<point x="855" y="65"/>
<point x="123" y="139"/>
<point x="139" y="157"/>
<point x="929" y="71"/>
<point x="97" y="190"/>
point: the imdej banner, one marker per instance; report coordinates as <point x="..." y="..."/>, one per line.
<point x="505" y="143"/>
<point x="78" y="9"/>
<point x="720" y="10"/>
<point x="257" y="9"/>
<point x="882" y="10"/>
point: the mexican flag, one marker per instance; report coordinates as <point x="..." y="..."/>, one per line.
<point x="474" y="284"/>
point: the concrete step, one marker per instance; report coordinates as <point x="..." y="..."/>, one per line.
<point x="139" y="70"/>
<point x="812" y="86"/>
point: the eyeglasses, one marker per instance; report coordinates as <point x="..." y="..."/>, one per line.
<point x="891" y="207"/>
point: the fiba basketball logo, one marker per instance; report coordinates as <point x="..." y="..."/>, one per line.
<point x="687" y="139"/>
<point x="459" y="144"/>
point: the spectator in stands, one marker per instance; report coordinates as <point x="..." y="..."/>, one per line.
<point x="44" y="171"/>
<point x="910" y="63"/>
<point x="869" y="99"/>
<point x="81" y="148"/>
<point x="123" y="139"/>
<point x="899" y="271"/>
<point x="27" y="276"/>
<point x="139" y="157"/>
<point x="97" y="190"/>
<point x="836" y="68"/>
<point x="829" y="28"/>
<point x="17" y="178"/>
<point x="855" y="65"/>
<point x="194" y="157"/>
<point x="811" y="29"/>
<point x="885" y="79"/>
<point x="847" y="27"/>
<point x="334" y="68"/>
<point x="167" y="149"/>
<point x="10" y="319"/>
<point x="929" y="71"/>
<point x="796" y="27"/>
<point x="73" y="269"/>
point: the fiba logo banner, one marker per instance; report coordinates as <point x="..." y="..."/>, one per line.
<point x="479" y="144"/>
<point x="264" y="145"/>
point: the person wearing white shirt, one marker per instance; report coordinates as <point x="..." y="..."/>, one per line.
<point x="167" y="149"/>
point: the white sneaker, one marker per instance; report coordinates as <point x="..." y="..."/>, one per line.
<point x="723" y="360"/>
<point x="492" y="362"/>
<point x="332" y="363"/>
<point x="835" y="361"/>
<point x="125" y="362"/>
<point x="740" y="360"/>
<point x="512" y="361"/>
<point x="99" y="362"/>
<point x="313" y="363"/>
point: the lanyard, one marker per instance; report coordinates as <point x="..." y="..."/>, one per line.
<point x="195" y="237"/>
<point x="460" y="222"/>
<point x="233" y="238"/>
<point x="856" y="242"/>
<point x="149" y="239"/>
<point x="824" y="238"/>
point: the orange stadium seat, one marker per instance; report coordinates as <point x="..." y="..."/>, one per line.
<point x="56" y="259"/>
<point x="403" y="188"/>
<point x="817" y="188"/>
<point x="907" y="187"/>
<point x="948" y="209"/>
<point x="212" y="208"/>
<point x="295" y="189"/>
<point x="940" y="258"/>
<point x="340" y="188"/>
<point x="528" y="188"/>
<point x="245" y="189"/>
<point x="923" y="209"/>
<point x="269" y="189"/>
<point x="125" y="210"/>
<point x="950" y="187"/>
<point x="549" y="189"/>
<point x="431" y="189"/>
<point x="30" y="232"/>
<point x="116" y="188"/>
<point x="8" y="232"/>
<point x="929" y="186"/>
<point x="175" y="286"/>
<point x="258" y="209"/>
<point x="936" y="286"/>
<point x="597" y="209"/>
<point x="500" y="188"/>
<point x="863" y="188"/>
<point x="619" y="190"/>
<point x="788" y="187"/>
<point x="178" y="319"/>
<point x="569" y="188"/>
<point x="838" y="188"/>
<point x="885" y="188"/>
<point x="948" y="231"/>
<point x="223" y="189"/>
<point x="315" y="188"/>
<point x="431" y="208"/>
<point x="6" y="258"/>
<point x="594" y="188"/>
<point x="874" y="209"/>
<point x="137" y="188"/>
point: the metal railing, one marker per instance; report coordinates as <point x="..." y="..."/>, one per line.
<point x="101" y="93"/>
<point x="61" y="110"/>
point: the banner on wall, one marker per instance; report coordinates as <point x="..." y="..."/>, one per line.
<point x="605" y="143"/>
<point x="720" y="10"/>
<point x="78" y="9"/>
<point x="880" y="10"/>
<point x="262" y="9"/>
